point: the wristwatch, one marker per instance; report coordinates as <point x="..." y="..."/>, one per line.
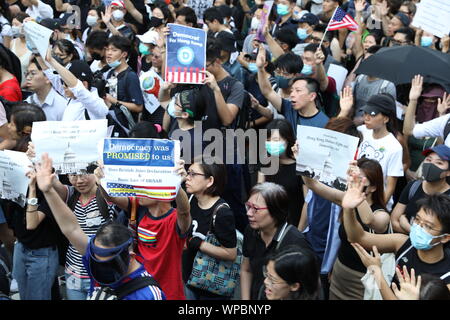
<point x="32" y="201"/>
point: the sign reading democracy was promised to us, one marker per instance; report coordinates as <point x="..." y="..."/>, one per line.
<point x="141" y="168"/>
<point x="186" y="54"/>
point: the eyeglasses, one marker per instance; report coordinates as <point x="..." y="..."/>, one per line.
<point x="31" y="73"/>
<point x="423" y="224"/>
<point x="193" y="174"/>
<point x="83" y="176"/>
<point x="399" y="43"/>
<point x="251" y="207"/>
<point x="270" y="279"/>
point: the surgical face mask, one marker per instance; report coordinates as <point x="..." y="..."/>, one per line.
<point x="426" y="41"/>
<point x="118" y="15"/>
<point x="307" y="70"/>
<point x="15" y="31"/>
<point x="420" y="239"/>
<point x="252" y="67"/>
<point x="114" y="64"/>
<point x="91" y="21"/>
<point x="431" y="172"/>
<point x="144" y="50"/>
<point x="275" y="148"/>
<point x="254" y="25"/>
<point x="302" y="33"/>
<point x="155" y="22"/>
<point x="109" y="272"/>
<point x="171" y="108"/>
<point x="282" y="82"/>
<point x="282" y="9"/>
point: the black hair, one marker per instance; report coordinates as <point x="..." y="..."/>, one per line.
<point x="433" y="288"/>
<point x="189" y="14"/>
<point x="289" y="62"/>
<point x="322" y="28"/>
<point x="295" y="264"/>
<point x="213" y="50"/>
<point x="121" y="43"/>
<point x="408" y="32"/>
<point x="20" y="16"/>
<point x="286" y="132"/>
<point x="311" y="84"/>
<point x="146" y="129"/>
<point x="438" y="205"/>
<point x="97" y="40"/>
<point x="287" y="36"/>
<point x="374" y="49"/>
<point x="67" y="47"/>
<point x="24" y="115"/>
<point x="376" y="36"/>
<point x="113" y="234"/>
<point x="165" y="11"/>
<point x="212" y="14"/>
<point x="392" y="125"/>
<point x="212" y="167"/>
<point x="276" y="199"/>
<point x="312" y="47"/>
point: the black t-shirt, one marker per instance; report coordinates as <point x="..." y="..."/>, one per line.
<point x="45" y="234"/>
<point x="292" y="183"/>
<point x="224" y="229"/>
<point x="411" y="259"/>
<point x="346" y="254"/>
<point x="411" y="206"/>
<point x="256" y="251"/>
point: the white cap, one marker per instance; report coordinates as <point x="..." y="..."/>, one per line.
<point x="150" y="36"/>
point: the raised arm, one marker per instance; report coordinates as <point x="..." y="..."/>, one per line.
<point x="263" y="81"/>
<point x="121" y="202"/>
<point x="321" y="73"/>
<point x="33" y="216"/>
<point x="346" y="103"/>
<point x="65" y="218"/>
<point x="410" y="114"/>
<point x="183" y="207"/>
<point x="131" y="9"/>
<point x="359" y="7"/>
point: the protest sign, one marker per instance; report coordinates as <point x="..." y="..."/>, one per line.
<point x="150" y="84"/>
<point x="264" y="19"/>
<point x="186" y="54"/>
<point x="339" y="74"/>
<point x="73" y="145"/>
<point x="141" y="168"/>
<point x="324" y="155"/>
<point x="13" y="182"/>
<point x="37" y="37"/>
<point x="433" y="16"/>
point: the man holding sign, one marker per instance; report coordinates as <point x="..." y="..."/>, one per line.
<point x="161" y="230"/>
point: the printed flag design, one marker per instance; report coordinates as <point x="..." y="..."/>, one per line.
<point x="185" y="75"/>
<point x="154" y="192"/>
<point x="147" y="237"/>
<point x="342" y="19"/>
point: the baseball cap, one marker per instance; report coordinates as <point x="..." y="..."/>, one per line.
<point x="52" y="24"/>
<point x="380" y="103"/>
<point x="118" y="3"/>
<point x="309" y="18"/>
<point x="81" y="70"/>
<point x="442" y="150"/>
<point x="150" y="36"/>
<point x="189" y="103"/>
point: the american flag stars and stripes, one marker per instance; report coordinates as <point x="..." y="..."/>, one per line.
<point x="185" y="75"/>
<point x="342" y="19"/>
<point x="154" y="192"/>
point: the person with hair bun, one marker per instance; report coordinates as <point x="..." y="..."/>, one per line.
<point x="267" y="211"/>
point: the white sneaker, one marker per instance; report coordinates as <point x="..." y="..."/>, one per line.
<point x="14" y="287"/>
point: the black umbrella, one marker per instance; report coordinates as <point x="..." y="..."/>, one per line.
<point x="400" y="64"/>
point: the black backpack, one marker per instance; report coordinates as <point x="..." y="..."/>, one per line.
<point x="106" y="293"/>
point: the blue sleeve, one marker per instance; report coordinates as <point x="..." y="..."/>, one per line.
<point x="133" y="89"/>
<point x="147" y="293"/>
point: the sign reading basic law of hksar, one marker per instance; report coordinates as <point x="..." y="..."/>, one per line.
<point x="186" y="54"/>
<point x="141" y="168"/>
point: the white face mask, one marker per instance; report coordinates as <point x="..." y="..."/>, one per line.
<point x="15" y="31"/>
<point x="118" y="15"/>
<point x="91" y="21"/>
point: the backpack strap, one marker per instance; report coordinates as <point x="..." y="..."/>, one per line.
<point x="283" y="232"/>
<point x="403" y="253"/>
<point x="72" y="201"/>
<point x="102" y="205"/>
<point x="412" y="191"/>
<point x="447" y="129"/>
<point x="134" y="285"/>
<point x="216" y="209"/>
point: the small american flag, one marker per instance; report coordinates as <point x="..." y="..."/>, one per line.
<point x="126" y="190"/>
<point x="342" y="19"/>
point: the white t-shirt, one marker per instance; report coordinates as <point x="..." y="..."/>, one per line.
<point x="433" y="128"/>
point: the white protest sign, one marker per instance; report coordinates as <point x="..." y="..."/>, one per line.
<point x="13" y="182"/>
<point x="339" y="74"/>
<point x="141" y="168"/>
<point x="37" y="36"/>
<point x="433" y="16"/>
<point x="72" y="145"/>
<point x="324" y="155"/>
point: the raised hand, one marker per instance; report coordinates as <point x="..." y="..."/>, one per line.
<point x="360" y="5"/>
<point x="180" y="170"/>
<point x="354" y="195"/>
<point x="106" y="17"/>
<point x="319" y="56"/>
<point x="44" y="173"/>
<point x="210" y="81"/>
<point x="416" y="87"/>
<point x="261" y="57"/>
<point x="346" y="100"/>
<point x="368" y="259"/>
<point x="443" y="104"/>
<point x="409" y="287"/>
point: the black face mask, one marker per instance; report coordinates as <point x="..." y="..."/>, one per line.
<point x="155" y="22"/>
<point x="59" y="60"/>
<point x="431" y="172"/>
<point x="96" y="56"/>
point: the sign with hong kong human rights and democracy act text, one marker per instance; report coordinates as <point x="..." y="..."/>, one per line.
<point x="141" y="168"/>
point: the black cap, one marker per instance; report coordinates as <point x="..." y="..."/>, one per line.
<point x="309" y="18"/>
<point x="380" y="103"/>
<point x="81" y="70"/>
<point x="52" y="24"/>
<point x="226" y="41"/>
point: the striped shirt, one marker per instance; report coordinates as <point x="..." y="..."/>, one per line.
<point x="90" y="219"/>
